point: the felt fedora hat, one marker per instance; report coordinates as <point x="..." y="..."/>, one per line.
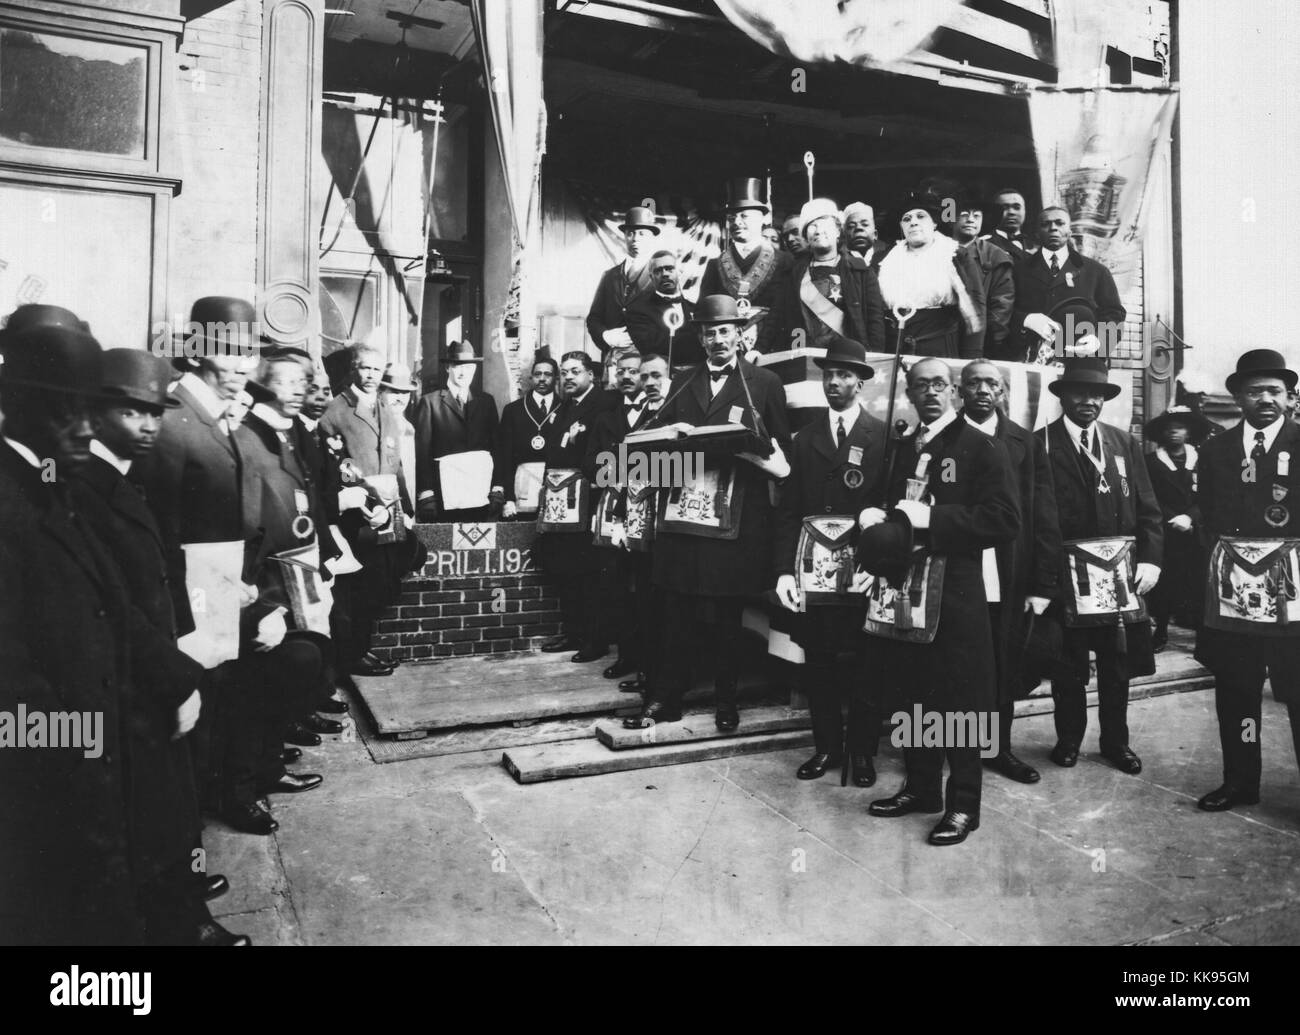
<point x="746" y="192"/>
<point x="1085" y="372"/>
<point x="847" y="353"/>
<point x="718" y="309"/>
<point x="1261" y="363"/>
<point x="57" y="359"/>
<point x="886" y="549"/>
<point x="461" y="352"/>
<point x="134" y="375"/>
<point x="639" y="217"/>
<point x="1198" y="427"/>
<point x="397" y="378"/>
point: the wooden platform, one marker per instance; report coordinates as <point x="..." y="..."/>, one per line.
<point x="698" y="726"/>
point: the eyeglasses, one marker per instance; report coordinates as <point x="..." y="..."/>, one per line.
<point x="936" y="387"/>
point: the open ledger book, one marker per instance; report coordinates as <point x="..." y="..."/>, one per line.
<point x="710" y="433"/>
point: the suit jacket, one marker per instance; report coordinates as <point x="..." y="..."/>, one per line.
<point x="716" y="567"/>
<point x="1019" y="248"/>
<point x="163" y="816"/>
<point x="862" y="305"/>
<point x="192" y="482"/>
<point x="974" y="508"/>
<point x="1037" y="291"/>
<point x="878" y="251"/>
<point x="514" y="439"/>
<point x="997" y="271"/>
<point x="443" y="428"/>
<point x="774" y="327"/>
<point x="374" y="446"/>
<point x="64" y="614"/>
<point x="609" y="305"/>
<point x="645" y="323"/>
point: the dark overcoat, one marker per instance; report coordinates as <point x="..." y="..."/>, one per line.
<point x="645" y="323"/>
<point x="614" y="292"/>
<point x="442" y="427"/>
<point x="1037" y="291"/>
<point x="514" y="439"/>
<point x="863" y="307"/>
<point x="771" y="294"/>
<point x="572" y="553"/>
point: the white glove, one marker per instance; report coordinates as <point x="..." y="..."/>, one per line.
<point x="1042" y="325"/>
<point x="918" y="513"/>
<point x="862" y="581"/>
<point x="1182" y="523"/>
<point x="352" y="498"/>
<point x="775" y="465"/>
<point x="1037" y="604"/>
<point x="1145" y="578"/>
<point x="508" y="509"/>
<point x="617" y="338"/>
<point x="248" y="594"/>
<point x="871" y="516"/>
<point x="408" y="521"/>
<point x="787" y="591"/>
<point x="378" y="517"/>
<point x="618" y="537"/>
<point x="1087" y="345"/>
<point x="271" y="631"/>
<point x="187" y="715"/>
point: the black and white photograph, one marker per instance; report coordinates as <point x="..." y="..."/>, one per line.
<point x="578" y="473"/>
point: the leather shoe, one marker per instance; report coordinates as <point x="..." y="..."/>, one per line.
<point x="864" y="771"/>
<point x="319" y="724"/>
<point x="292" y="783"/>
<point x="365" y="667"/>
<point x="727" y="718"/>
<point x="297" y="733"/>
<point x="653" y="712"/>
<point x="902" y="803"/>
<point x="1124" y="760"/>
<point x="953" y="828"/>
<point x="1226" y="797"/>
<point x="214" y="886"/>
<point x="370" y="657"/>
<point x="333" y="706"/>
<point x="619" y="668"/>
<point x="290" y="755"/>
<point x="560" y="644"/>
<point x="1065" y="755"/>
<point x="815" y="768"/>
<point x="636" y="685"/>
<point x="212" y="933"/>
<point x="249" y="819"/>
<point x="589" y="654"/>
<point x="1012" y="768"/>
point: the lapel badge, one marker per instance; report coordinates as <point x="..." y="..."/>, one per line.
<point x="1279" y="492"/>
<point x="853" y="478"/>
<point x="1277" y="515"/>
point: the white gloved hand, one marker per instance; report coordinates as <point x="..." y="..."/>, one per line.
<point x="775" y="465"/>
<point x="508" y="509"/>
<point x="1087" y="345"/>
<point x="352" y="498"/>
<point x="1037" y="604"/>
<point x="1182" y="523"/>
<point x="248" y="594"/>
<point x="377" y="517"/>
<point x="618" y="537"/>
<point x="1042" y="325"/>
<point x="617" y="338"/>
<point x="271" y="631"/>
<point x="918" y="513"/>
<point x="871" y="516"/>
<point x="787" y="591"/>
<point x="862" y="581"/>
<point x="187" y="715"/>
<point x="1145" y="578"/>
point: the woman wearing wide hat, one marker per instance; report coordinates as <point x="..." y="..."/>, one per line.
<point x="1177" y="433"/>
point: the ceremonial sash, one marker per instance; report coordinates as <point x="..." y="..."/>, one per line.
<point x="909" y="611"/>
<point x="708" y="506"/>
<point x="824" y="561"/>
<point x="737" y="283"/>
<point x="564" y="502"/>
<point x="1251" y="587"/>
<point x="1100" y="583"/>
<point x="822" y="307"/>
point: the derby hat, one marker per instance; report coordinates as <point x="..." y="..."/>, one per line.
<point x="640" y="217"/>
<point x="886" y="549"/>
<point x="57" y="359"/>
<point x="133" y="375"/>
<point x="818" y="208"/>
<point x="1085" y="372"/>
<point x="25" y="317"/>
<point x="1078" y="316"/>
<point x="1261" y="363"/>
<point x="847" y="353"/>
<point x="461" y="352"/>
<point x="1198" y="426"/>
<point x="220" y="325"/>
<point x="746" y="192"/>
<point x="718" y="309"/>
<point x="397" y="378"/>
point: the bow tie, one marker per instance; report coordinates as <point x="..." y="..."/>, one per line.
<point x="717" y="374"/>
<point x="630" y="406"/>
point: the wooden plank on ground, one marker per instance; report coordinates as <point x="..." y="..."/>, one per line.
<point x="697" y="726"/>
<point x="591" y="758"/>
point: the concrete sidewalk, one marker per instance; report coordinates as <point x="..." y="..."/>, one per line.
<point x="451" y="850"/>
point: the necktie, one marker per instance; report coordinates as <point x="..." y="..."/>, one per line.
<point x="719" y="373"/>
<point x="841" y="434"/>
<point x="1083" y="441"/>
<point x="922" y="436"/>
<point x="1056" y="266"/>
<point x="1259" y="449"/>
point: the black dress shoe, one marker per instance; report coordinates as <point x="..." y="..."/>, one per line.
<point x="1012" y="768"/>
<point x="249" y="819"/>
<point x="560" y="644"/>
<point x="589" y="654"/>
<point x="953" y="828"/>
<point x="290" y="755"/>
<point x="297" y="733"/>
<point x="619" y="668"/>
<point x="371" y="668"/>
<point x="654" y="712"/>
<point x="319" y="724"/>
<point x="292" y="783"/>
<point x="815" y="768"/>
<point x="864" y="771"/>
<point x="370" y="657"/>
<point x="902" y="803"/>
<point x="727" y="718"/>
<point x="212" y="933"/>
<point x="1225" y="797"/>
<point x="333" y="706"/>
<point x="214" y="887"/>
<point x="1065" y="755"/>
<point x="1124" y="760"/>
<point x="637" y="685"/>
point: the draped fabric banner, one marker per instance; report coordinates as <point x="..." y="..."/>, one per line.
<point x="1096" y="150"/>
<point x="870" y="33"/>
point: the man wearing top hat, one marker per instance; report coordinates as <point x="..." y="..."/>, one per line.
<point x="450" y="421"/>
<point x="661" y="317"/>
<point x="830" y="293"/>
<point x="749" y="268"/>
<point x="607" y="318"/>
<point x="526" y="423"/>
<point x="1248" y="475"/>
<point x="716" y="556"/>
<point x="836" y="467"/>
<point x="1102" y="491"/>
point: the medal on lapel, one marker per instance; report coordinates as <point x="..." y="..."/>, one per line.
<point x="1283" y="464"/>
<point x="537" y="442"/>
<point x="303" y="526"/>
<point x="1279" y="492"/>
<point x="1069" y="280"/>
<point x="853" y="478"/>
<point x="1122" y="467"/>
<point x="1277" y="515"/>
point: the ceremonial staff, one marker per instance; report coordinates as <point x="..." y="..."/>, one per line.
<point x="809" y="161"/>
<point x="895" y="432"/>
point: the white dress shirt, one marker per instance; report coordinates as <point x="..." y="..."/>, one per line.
<point x="203" y="394"/>
<point x="23" y="451"/>
<point x="1061" y="255"/>
<point x="1270" y="434"/>
<point x="109" y="457"/>
<point x="849" y="416"/>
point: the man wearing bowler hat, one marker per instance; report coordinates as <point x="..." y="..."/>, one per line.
<point x="1251" y="519"/>
<point x="750" y="270"/>
<point x="1103" y="496"/>
<point x="713" y="543"/>
<point x="953" y="494"/>
<point x="607" y="318"/>
<point x="836" y="468"/>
